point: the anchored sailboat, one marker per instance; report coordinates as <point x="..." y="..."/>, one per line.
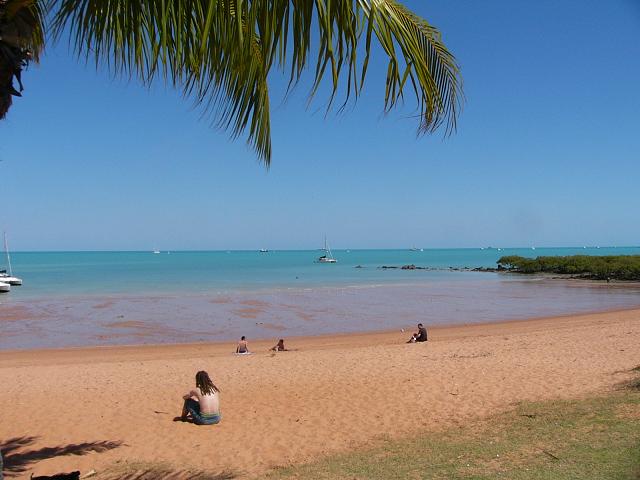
<point x="8" y="278"/>
<point x="328" y="256"/>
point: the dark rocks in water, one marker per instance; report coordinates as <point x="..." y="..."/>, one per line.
<point x="406" y="267"/>
<point x="411" y="266"/>
<point x="487" y="269"/>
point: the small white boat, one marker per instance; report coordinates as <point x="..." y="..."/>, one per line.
<point x="156" y="251"/>
<point x="327" y="257"/>
<point x="8" y="278"/>
<point x="4" y="287"/>
<point x="263" y="250"/>
<point x="4" y="278"/>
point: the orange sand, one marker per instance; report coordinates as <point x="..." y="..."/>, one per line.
<point x="335" y="393"/>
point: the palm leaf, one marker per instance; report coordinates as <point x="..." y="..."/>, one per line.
<point x="220" y="52"/>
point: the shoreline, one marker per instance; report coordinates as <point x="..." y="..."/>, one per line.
<point x="315" y="342"/>
<point x="15" y="297"/>
<point x="223" y="317"/>
<point x="293" y="407"/>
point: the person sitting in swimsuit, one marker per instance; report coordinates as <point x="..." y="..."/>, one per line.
<point x="279" y="347"/>
<point x="420" y="336"/>
<point x="206" y="409"/>
<point x="242" y="346"/>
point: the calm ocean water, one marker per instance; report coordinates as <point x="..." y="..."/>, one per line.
<point x="145" y="273"/>
<point x="97" y="298"/>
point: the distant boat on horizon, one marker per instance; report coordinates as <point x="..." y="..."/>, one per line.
<point x="263" y="250"/>
<point x="156" y="251"/>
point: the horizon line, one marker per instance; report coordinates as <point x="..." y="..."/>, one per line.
<point x="533" y="248"/>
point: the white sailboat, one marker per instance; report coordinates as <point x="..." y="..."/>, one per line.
<point x="328" y="256"/>
<point x="8" y="278"/>
<point x="4" y="287"/>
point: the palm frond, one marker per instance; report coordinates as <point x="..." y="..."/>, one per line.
<point x="220" y="52"/>
<point x="428" y="64"/>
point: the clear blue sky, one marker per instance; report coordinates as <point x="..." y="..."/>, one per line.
<point x="547" y="150"/>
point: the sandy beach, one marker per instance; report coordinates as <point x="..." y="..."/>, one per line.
<point x="93" y="408"/>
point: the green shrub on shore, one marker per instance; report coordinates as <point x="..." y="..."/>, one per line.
<point x="619" y="267"/>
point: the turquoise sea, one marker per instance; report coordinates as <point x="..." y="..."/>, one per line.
<point x="188" y="272"/>
<point x="98" y="298"/>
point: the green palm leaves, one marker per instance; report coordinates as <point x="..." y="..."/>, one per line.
<point x="220" y="52"/>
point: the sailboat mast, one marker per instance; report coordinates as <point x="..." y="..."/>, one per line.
<point x="6" y="249"/>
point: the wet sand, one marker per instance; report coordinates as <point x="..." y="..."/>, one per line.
<point x="53" y="322"/>
<point x="115" y="404"/>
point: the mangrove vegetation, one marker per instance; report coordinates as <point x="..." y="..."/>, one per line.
<point x="612" y="267"/>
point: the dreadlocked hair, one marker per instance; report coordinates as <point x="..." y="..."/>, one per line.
<point x="204" y="383"/>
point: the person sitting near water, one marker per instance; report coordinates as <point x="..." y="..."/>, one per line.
<point x="242" y="346"/>
<point x="279" y="347"/>
<point x="420" y="336"/>
<point x="206" y="409"/>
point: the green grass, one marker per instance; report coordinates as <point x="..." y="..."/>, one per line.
<point x="593" y="439"/>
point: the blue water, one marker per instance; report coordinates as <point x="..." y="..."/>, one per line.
<point x="105" y="298"/>
<point x="189" y="272"/>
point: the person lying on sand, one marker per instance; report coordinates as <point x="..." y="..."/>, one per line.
<point x="279" y="347"/>
<point x="420" y="336"/>
<point x="206" y="409"/>
<point x="242" y="346"/>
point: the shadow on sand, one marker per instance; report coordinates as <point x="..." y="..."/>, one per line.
<point x="18" y="458"/>
<point x="166" y="474"/>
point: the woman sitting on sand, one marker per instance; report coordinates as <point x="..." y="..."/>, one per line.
<point x="242" y="346"/>
<point x="206" y="409"/>
<point x="279" y="347"/>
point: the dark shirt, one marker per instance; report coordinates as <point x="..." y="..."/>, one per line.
<point x="422" y="334"/>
